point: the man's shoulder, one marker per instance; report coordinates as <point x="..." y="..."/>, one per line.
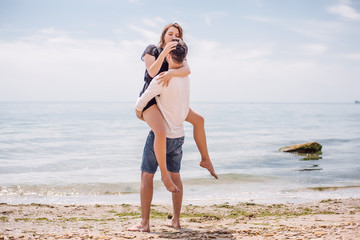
<point x="178" y="81"/>
<point x="180" y="78"/>
<point x="155" y="80"/>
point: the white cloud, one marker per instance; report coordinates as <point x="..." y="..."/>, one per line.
<point x="344" y="11"/>
<point x="60" y="67"/>
<point x="261" y="19"/>
<point x="211" y="15"/>
<point x="149" y="35"/>
<point x="259" y="3"/>
<point x="156" y="22"/>
<point x="137" y="2"/>
<point x="70" y="69"/>
<point x="253" y="54"/>
<point x="319" y="30"/>
<point x="352" y="56"/>
<point x="256" y="73"/>
<point x="313" y="49"/>
<point x="48" y="35"/>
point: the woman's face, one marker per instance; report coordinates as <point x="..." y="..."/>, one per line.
<point x="170" y="34"/>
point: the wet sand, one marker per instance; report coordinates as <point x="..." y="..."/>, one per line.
<point x="326" y="219"/>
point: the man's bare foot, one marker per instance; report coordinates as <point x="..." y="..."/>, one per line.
<point x="139" y="228"/>
<point x="169" y="184"/>
<point x="208" y="165"/>
<point x="175" y="223"/>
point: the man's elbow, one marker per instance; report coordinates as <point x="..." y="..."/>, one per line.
<point x="188" y="70"/>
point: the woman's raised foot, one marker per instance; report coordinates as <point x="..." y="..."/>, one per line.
<point x="208" y="165"/>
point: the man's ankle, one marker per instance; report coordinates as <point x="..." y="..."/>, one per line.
<point x="145" y="222"/>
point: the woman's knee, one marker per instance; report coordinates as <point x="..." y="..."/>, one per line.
<point x="198" y="120"/>
<point x="160" y="132"/>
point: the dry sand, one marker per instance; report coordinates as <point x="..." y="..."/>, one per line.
<point x="327" y="219"/>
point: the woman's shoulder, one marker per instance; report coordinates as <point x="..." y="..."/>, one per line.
<point x="151" y="50"/>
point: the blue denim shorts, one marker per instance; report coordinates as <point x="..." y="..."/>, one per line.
<point x="173" y="154"/>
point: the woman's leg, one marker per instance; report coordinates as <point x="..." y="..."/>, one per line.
<point x="155" y="120"/>
<point x="198" y="123"/>
<point x="177" y="200"/>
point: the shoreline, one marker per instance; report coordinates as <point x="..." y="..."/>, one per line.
<point x="204" y="196"/>
<point x="327" y="219"/>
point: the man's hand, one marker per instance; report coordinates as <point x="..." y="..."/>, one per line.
<point x="139" y="115"/>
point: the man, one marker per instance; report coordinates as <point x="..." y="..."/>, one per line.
<point x="173" y="102"/>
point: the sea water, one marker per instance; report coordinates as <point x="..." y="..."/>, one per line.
<point x="88" y="153"/>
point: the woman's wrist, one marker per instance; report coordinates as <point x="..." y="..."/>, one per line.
<point x="172" y="72"/>
<point x="162" y="55"/>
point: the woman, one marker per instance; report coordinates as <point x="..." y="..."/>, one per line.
<point x="155" y="63"/>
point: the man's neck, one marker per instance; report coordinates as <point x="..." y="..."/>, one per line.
<point x="175" y="66"/>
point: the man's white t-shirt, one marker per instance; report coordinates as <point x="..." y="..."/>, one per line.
<point x="173" y="102"/>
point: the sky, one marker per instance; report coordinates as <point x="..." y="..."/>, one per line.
<point x="239" y="50"/>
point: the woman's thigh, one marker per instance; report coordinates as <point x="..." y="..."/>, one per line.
<point x="194" y="118"/>
<point x="154" y="119"/>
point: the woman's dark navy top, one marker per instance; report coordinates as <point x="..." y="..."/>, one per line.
<point x="154" y="51"/>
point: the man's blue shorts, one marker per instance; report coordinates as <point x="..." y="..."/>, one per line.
<point x="173" y="154"/>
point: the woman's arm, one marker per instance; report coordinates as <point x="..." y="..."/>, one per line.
<point x="165" y="77"/>
<point x="183" y="71"/>
<point x="153" y="65"/>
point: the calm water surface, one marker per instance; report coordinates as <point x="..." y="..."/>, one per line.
<point x="91" y="153"/>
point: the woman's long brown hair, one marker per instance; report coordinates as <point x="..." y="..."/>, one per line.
<point x="175" y="25"/>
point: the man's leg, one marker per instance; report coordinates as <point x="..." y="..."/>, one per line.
<point x="177" y="200"/>
<point x="146" y="195"/>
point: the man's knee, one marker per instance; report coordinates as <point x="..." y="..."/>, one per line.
<point x="145" y="176"/>
<point x="175" y="177"/>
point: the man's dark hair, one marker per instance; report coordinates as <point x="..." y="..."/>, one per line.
<point x="180" y="52"/>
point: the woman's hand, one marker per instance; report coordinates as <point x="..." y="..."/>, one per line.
<point x="165" y="77"/>
<point x="170" y="46"/>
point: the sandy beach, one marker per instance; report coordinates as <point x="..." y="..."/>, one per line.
<point x="326" y="219"/>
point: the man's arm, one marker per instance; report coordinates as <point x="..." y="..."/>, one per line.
<point x="153" y="90"/>
<point x="139" y="115"/>
<point x="165" y="77"/>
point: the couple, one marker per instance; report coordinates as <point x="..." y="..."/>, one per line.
<point x="164" y="105"/>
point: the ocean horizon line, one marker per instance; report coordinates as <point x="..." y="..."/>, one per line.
<point x="193" y="102"/>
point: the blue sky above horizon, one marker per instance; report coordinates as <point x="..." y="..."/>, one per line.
<point x="246" y="50"/>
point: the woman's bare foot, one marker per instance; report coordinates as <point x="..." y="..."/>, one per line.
<point x="208" y="165"/>
<point x="169" y="184"/>
<point x="139" y="228"/>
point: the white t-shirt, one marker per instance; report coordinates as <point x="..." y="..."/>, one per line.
<point x="173" y="102"/>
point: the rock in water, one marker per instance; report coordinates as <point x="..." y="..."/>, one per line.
<point x="311" y="147"/>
